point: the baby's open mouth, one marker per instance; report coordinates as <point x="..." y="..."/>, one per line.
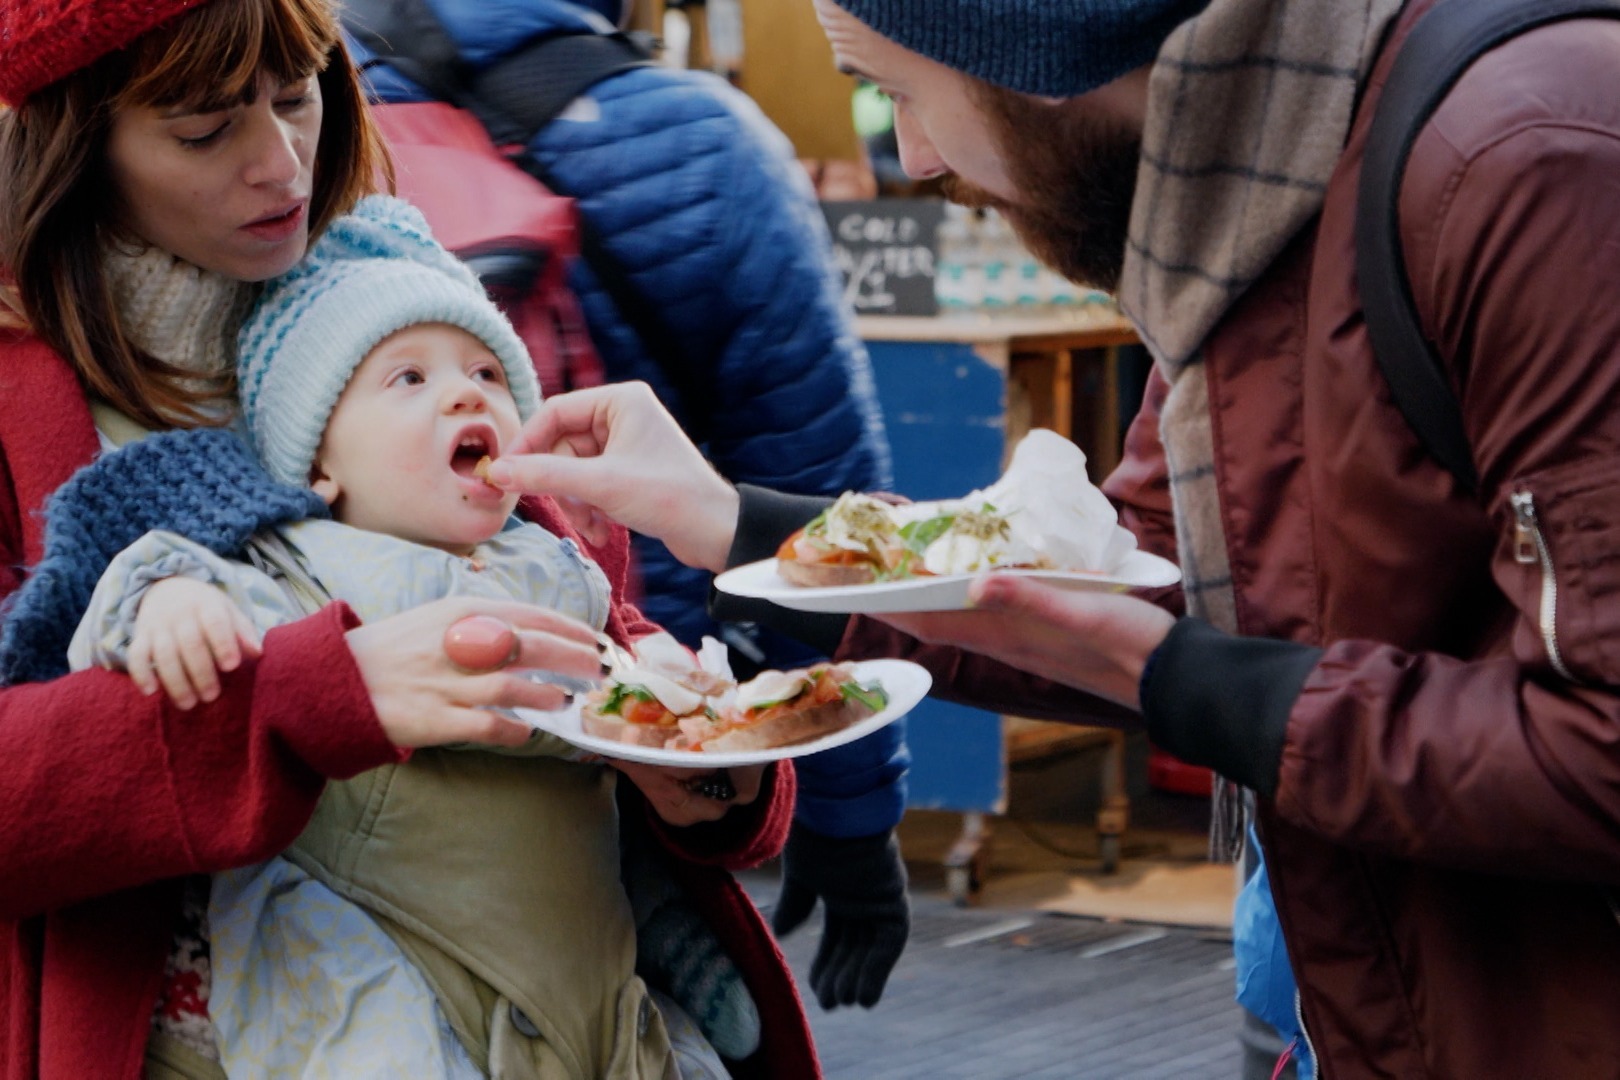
<point x="472" y="454"/>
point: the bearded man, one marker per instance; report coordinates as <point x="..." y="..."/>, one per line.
<point x="1417" y="678"/>
<point x="1366" y="647"/>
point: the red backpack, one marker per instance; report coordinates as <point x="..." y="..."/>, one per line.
<point x="515" y="234"/>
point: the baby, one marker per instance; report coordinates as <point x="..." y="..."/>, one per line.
<point x="470" y="904"/>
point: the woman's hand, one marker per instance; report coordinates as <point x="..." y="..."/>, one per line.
<point x="423" y="698"/>
<point x="676" y="795"/>
<point x="615" y="453"/>
<point x="1094" y="641"/>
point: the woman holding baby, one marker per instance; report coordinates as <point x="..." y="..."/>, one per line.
<point x="160" y="160"/>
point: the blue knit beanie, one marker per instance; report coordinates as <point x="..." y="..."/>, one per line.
<point x="1054" y="48"/>
<point x="374" y="271"/>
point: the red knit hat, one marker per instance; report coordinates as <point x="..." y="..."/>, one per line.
<point x="44" y="40"/>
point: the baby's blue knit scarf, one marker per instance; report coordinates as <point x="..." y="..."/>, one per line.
<point x="204" y="485"/>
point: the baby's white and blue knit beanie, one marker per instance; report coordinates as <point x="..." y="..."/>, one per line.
<point x="375" y="270"/>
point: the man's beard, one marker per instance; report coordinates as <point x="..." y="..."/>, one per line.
<point x="1074" y="175"/>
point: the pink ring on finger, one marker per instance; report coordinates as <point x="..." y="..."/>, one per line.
<point x="479" y="643"/>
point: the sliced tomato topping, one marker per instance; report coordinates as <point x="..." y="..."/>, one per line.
<point x="826" y="689"/>
<point x="802" y="548"/>
<point x="637" y="711"/>
<point x="749" y="717"/>
<point x="789" y="545"/>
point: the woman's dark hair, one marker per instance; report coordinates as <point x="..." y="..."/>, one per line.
<point x="57" y="203"/>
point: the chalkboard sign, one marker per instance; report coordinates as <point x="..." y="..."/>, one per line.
<point x="885" y="249"/>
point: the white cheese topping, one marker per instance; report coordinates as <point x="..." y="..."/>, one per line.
<point x="858" y="523"/>
<point x="662" y="653"/>
<point x="961" y="552"/>
<point x="770" y="687"/>
<point x="671" y="694"/>
<point x="662" y="665"/>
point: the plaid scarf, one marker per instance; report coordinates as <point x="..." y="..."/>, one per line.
<point x="1249" y="105"/>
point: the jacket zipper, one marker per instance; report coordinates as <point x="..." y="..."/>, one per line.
<point x="1305" y="1036"/>
<point x="1529" y="547"/>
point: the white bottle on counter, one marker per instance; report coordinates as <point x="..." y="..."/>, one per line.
<point x="1061" y="293"/>
<point x="1002" y="254"/>
<point x="958" y="266"/>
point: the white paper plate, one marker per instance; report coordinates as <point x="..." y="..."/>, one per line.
<point x="906" y="684"/>
<point x="1138" y="570"/>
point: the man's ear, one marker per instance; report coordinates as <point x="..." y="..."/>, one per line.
<point x="323" y="485"/>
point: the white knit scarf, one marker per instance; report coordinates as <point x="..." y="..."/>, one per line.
<point x="177" y="312"/>
<point x="1249" y="104"/>
<point x="187" y="317"/>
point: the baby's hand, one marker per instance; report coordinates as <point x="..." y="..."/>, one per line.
<point x="186" y="633"/>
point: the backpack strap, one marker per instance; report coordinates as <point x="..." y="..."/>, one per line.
<point x="514" y="99"/>
<point x="525" y="90"/>
<point x="1443" y="44"/>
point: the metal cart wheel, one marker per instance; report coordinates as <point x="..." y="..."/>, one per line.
<point x="967" y="861"/>
<point x="1108" y="853"/>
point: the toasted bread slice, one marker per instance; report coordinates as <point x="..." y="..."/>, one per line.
<point x="825" y="699"/>
<point x="803" y="562"/>
<point x="789" y="728"/>
<point x="824" y="574"/>
<point x="617" y="729"/>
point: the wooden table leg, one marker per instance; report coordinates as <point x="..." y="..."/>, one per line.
<point x="1115" y="813"/>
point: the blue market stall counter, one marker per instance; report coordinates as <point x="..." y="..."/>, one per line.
<point x="958" y="392"/>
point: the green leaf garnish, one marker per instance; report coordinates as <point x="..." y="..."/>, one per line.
<point x="874" y="697"/>
<point x="621" y="691"/>
<point x="900" y="569"/>
<point x="919" y="534"/>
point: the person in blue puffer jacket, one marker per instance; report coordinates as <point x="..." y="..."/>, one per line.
<point x="701" y="200"/>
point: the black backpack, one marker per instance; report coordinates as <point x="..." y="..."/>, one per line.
<point x="1439" y="49"/>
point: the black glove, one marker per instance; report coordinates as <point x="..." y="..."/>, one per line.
<point x="862" y="882"/>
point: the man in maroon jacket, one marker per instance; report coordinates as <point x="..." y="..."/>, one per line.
<point x="1416" y="679"/>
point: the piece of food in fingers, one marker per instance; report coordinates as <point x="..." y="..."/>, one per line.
<point x="785" y="708"/>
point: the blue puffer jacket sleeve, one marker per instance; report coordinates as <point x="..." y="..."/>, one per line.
<point x="701" y="201"/>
